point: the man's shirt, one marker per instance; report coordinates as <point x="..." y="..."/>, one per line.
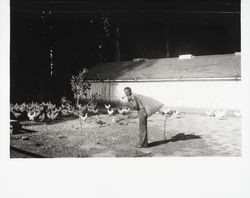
<point x="136" y="103"/>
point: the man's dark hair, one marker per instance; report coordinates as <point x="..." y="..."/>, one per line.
<point x="128" y="88"/>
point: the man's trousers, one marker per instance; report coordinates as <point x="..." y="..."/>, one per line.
<point x="143" y="134"/>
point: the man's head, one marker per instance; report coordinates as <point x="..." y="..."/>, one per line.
<point x="128" y="91"/>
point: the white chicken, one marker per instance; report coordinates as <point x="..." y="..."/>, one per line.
<point x="110" y="111"/>
<point x="82" y="107"/>
<point x="237" y="113"/>
<point x="113" y="119"/>
<point x="41" y="117"/>
<point x="16" y="114"/>
<point x="97" y="118"/>
<point x="107" y="106"/>
<point x="220" y="114"/>
<point x="166" y="110"/>
<point x="95" y="111"/>
<point x="127" y="109"/>
<point x="121" y="111"/>
<point x="63" y="106"/>
<point x="83" y="118"/>
<point x="75" y="113"/>
<point x="176" y="114"/>
<point x="22" y="109"/>
<point x="52" y="115"/>
<point x="33" y="114"/>
<point x="70" y="109"/>
<point x="91" y="105"/>
<point x="210" y="113"/>
<point x="90" y="109"/>
<point x="64" y="112"/>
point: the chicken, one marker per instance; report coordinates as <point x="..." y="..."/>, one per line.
<point x="16" y="107"/>
<point x="127" y="109"/>
<point x="71" y="110"/>
<point x="22" y="109"/>
<point x="85" y="117"/>
<point x="16" y="115"/>
<point x="33" y="114"/>
<point x="75" y="113"/>
<point x="63" y="106"/>
<point x="176" y="112"/>
<point x="90" y="109"/>
<point x="111" y="111"/>
<point x="113" y="119"/>
<point x="166" y="110"/>
<point x="95" y="111"/>
<point x="237" y="113"/>
<point x="107" y="106"/>
<point x="65" y="112"/>
<point x="41" y="108"/>
<point x="57" y="110"/>
<point x="220" y="114"/>
<point x="91" y="105"/>
<point x="14" y="112"/>
<point x="52" y="115"/>
<point x="170" y="113"/>
<point x="81" y="108"/>
<point x="51" y="106"/>
<point x="210" y="113"/>
<point x="121" y="111"/>
<point x="41" y="117"/>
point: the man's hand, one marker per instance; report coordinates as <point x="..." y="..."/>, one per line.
<point x="130" y="98"/>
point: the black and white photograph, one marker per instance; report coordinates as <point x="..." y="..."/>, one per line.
<point x="124" y="98"/>
<point x="117" y="79"/>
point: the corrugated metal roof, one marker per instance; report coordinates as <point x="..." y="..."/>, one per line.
<point x="212" y="66"/>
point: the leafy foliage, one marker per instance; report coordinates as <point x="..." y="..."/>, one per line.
<point x="79" y="86"/>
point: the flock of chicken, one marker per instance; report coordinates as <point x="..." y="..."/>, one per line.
<point x="211" y="113"/>
<point x="109" y="110"/>
<point x="113" y="111"/>
<point x="221" y="114"/>
<point x="34" y="111"/>
<point x="170" y="112"/>
<point x="48" y="111"/>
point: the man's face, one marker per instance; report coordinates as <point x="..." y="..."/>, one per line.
<point x="127" y="92"/>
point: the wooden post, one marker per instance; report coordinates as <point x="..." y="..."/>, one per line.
<point x="77" y="103"/>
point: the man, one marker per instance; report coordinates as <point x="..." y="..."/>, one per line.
<point x="137" y="105"/>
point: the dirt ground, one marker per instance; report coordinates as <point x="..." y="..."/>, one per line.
<point x="191" y="134"/>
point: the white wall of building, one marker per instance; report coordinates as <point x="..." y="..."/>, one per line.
<point x="190" y="94"/>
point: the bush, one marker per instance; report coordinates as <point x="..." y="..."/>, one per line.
<point x="79" y="86"/>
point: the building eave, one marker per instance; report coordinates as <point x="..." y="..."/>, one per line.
<point x="165" y="80"/>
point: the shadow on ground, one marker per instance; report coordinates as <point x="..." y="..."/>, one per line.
<point x="25" y="153"/>
<point x="24" y="131"/>
<point x="48" y="122"/>
<point x="178" y="137"/>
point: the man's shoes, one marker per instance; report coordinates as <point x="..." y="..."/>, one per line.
<point x="140" y="146"/>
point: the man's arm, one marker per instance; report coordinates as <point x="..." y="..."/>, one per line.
<point x="133" y="102"/>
